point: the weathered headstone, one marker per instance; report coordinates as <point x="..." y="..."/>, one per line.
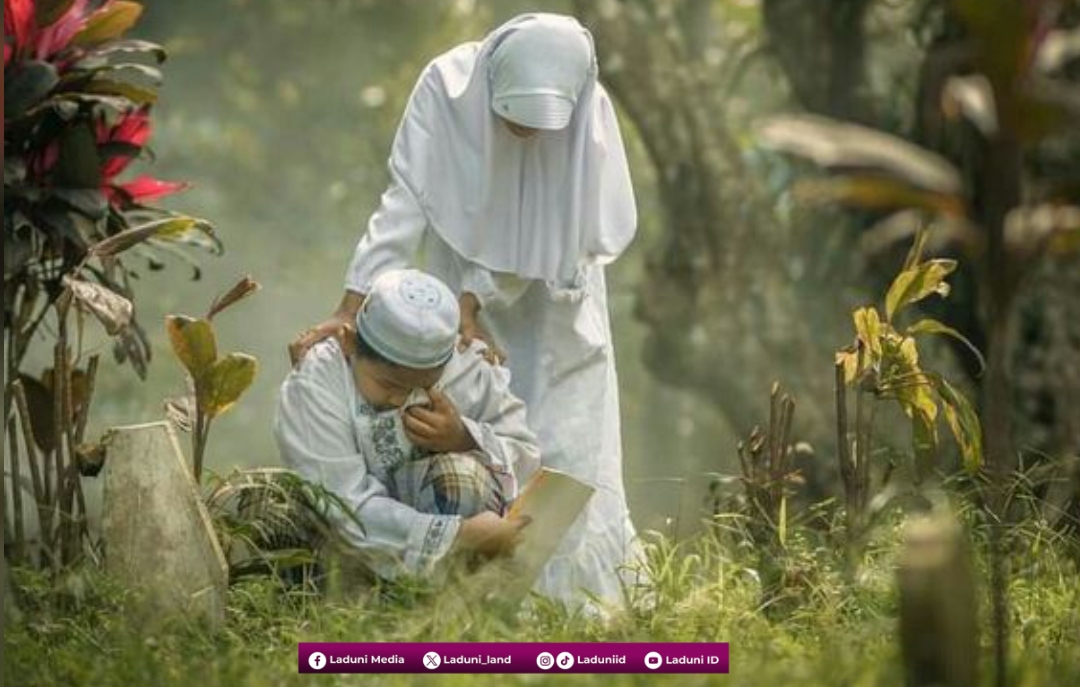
<point x="158" y="535"/>
<point x="938" y="622"/>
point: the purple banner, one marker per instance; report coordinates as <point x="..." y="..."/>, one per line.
<point x="507" y="657"/>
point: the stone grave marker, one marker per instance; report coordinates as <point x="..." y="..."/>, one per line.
<point x="158" y="536"/>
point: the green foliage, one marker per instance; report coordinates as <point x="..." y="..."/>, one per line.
<point x="193" y="343"/>
<point x="76" y="114"/>
<point x="704" y="591"/>
<point x="884" y="360"/>
<point x="77" y="104"/>
<point x="217" y="382"/>
<point x="270" y="520"/>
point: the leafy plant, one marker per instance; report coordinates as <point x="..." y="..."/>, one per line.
<point x="77" y="102"/>
<point x="1017" y="98"/>
<point x="768" y="476"/>
<point x="216" y="382"/>
<point x="884" y="363"/>
<point x="767" y="473"/>
<point x="270" y="520"/>
<point x="1006" y="90"/>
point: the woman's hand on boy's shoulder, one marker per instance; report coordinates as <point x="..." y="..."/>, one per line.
<point x="333" y="327"/>
<point x="470" y="331"/>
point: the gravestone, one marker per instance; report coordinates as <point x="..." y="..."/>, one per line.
<point x="158" y="537"/>
<point x="939" y="631"/>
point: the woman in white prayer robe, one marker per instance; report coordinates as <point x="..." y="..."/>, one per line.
<point x="509" y="181"/>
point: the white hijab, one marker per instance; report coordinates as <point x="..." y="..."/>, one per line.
<point x="543" y="207"/>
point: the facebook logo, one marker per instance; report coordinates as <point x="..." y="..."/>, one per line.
<point x="317" y="660"/>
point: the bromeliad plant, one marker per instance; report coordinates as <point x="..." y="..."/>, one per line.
<point x="78" y="96"/>
<point x="216" y="382"/>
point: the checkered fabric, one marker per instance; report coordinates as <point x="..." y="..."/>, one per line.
<point x="447" y="484"/>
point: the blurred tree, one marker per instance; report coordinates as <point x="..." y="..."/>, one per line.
<point x="730" y="294"/>
<point x="821" y="48"/>
<point x="728" y="289"/>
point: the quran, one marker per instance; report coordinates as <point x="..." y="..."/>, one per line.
<point x="553" y="500"/>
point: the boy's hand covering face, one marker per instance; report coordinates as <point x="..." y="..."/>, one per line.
<point x="437" y="427"/>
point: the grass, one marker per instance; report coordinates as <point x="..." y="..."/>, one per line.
<point x="829" y="628"/>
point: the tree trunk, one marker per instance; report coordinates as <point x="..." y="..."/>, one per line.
<point x="725" y="318"/>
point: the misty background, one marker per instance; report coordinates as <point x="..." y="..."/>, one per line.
<point x="281" y="114"/>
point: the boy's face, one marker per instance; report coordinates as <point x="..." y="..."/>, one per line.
<point x="387" y="386"/>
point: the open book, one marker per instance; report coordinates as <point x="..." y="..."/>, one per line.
<point x="553" y="500"/>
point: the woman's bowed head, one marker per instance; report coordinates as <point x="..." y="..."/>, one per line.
<point x="537" y="75"/>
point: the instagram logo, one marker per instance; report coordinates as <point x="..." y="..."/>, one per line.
<point x="545" y="660"/>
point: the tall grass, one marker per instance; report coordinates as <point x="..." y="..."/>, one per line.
<point x="831" y="630"/>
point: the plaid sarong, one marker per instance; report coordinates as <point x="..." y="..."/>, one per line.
<point x="447" y="484"/>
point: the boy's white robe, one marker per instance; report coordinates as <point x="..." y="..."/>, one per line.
<point x="332" y="437"/>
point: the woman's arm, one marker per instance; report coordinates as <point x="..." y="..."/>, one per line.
<point x="392" y="240"/>
<point x="339" y="325"/>
<point x="471" y="330"/>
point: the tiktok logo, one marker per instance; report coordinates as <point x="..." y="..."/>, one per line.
<point x="317" y="660"/>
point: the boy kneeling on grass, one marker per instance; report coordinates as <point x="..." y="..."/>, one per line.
<point x="424" y="443"/>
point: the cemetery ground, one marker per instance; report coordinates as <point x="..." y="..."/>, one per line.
<point x="827" y="624"/>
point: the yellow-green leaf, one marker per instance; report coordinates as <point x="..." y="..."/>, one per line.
<point x="868" y="329"/>
<point x="909" y="355"/>
<point x="924" y="441"/>
<point x="913" y="285"/>
<point x="191" y="231"/>
<point x="963" y="422"/>
<point x="109" y="22"/>
<point x="932" y="326"/>
<point x="194" y="343"/>
<point x="119" y="242"/>
<point x="228" y="380"/>
<point x="139" y="95"/>
<point x="914" y="256"/>
<point x="849" y="361"/>
<point x="915" y="397"/>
